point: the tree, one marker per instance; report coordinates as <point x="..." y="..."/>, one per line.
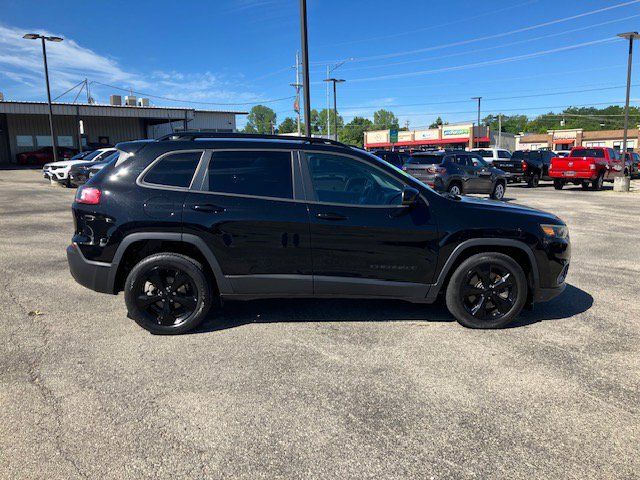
<point x="353" y="132"/>
<point x="261" y="119"/>
<point x="322" y="121"/>
<point x="288" y="125"/>
<point x="384" y="119"/>
<point x="438" y="121"/>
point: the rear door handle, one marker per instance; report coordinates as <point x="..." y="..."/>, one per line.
<point x="208" y="208"/>
<point x="330" y="216"/>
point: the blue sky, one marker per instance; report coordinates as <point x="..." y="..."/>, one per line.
<point x="420" y="59"/>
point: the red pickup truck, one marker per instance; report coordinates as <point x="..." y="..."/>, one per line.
<point x="586" y="166"/>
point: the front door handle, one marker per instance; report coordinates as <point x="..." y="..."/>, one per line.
<point x="330" y="216"/>
<point x="208" y="208"/>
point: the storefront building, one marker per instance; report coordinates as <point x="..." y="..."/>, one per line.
<point x="446" y="136"/>
<point x="567" y="139"/>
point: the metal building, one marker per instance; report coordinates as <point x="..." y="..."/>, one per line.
<point x="24" y="126"/>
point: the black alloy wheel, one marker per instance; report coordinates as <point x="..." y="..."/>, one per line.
<point x="167" y="293"/>
<point x="487" y="290"/>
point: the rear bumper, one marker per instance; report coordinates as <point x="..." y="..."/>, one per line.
<point x="576" y="175"/>
<point x="93" y="275"/>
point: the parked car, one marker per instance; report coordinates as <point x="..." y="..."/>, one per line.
<point x="81" y="155"/>
<point x="632" y="161"/>
<point x="529" y="166"/>
<point x="44" y="155"/>
<point x="492" y="154"/>
<point x="397" y="159"/>
<point x="184" y="221"/>
<point x="587" y="166"/>
<point x="457" y="172"/>
<point x="562" y="153"/>
<point x="80" y="173"/>
<point x="59" y="171"/>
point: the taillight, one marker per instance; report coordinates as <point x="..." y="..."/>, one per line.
<point x="592" y="166"/>
<point x="524" y="165"/>
<point x="88" y="195"/>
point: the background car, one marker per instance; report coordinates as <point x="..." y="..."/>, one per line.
<point x="80" y="173"/>
<point x="44" y="155"/>
<point x="530" y="166"/>
<point x="59" y="171"/>
<point x="457" y="172"/>
<point x="397" y="159"/>
<point x="81" y="155"/>
<point x="492" y="154"/>
<point x="632" y="160"/>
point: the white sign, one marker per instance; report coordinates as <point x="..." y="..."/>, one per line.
<point x="456" y="132"/>
<point x="572" y="134"/>
<point x="381" y="136"/>
<point x="432" y="134"/>
<point x="405" y="136"/>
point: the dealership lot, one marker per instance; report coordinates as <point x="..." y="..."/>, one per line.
<point x="327" y="389"/>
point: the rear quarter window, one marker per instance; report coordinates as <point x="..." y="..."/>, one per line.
<point x="174" y="169"/>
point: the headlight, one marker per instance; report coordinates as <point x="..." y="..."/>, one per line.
<point x="555" y="231"/>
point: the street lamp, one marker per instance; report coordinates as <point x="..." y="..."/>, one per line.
<point x="329" y="70"/>
<point x="630" y="36"/>
<point x="45" y="38"/>
<point x="472" y="134"/>
<point x="335" y="106"/>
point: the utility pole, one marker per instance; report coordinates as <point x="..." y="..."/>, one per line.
<point x="477" y="143"/>
<point x="499" y="130"/>
<point x="329" y="70"/>
<point x="36" y="36"/>
<point x="335" y="106"/>
<point x="297" y="86"/>
<point x="630" y="36"/>
<point x="305" y="64"/>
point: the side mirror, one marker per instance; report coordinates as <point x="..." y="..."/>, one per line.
<point x="409" y="196"/>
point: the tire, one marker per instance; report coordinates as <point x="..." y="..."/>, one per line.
<point x="455" y="189"/>
<point x="585" y="185"/>
<point x="476" y="305"/>
<point x="533" y="181"/>
<point x="558" y="184"/>
<point x="499" y="191"/>
<point x="166" y="315"/>
<point x="598" y="183"/>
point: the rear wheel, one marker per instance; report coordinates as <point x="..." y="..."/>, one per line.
<point x="488" y="290"/>
<point x="455" y="189"/>
<point x="534" y="180"/>
<point x="598" y="182"/>
<point x="498" y="191"/>
<point x="558" y="184"/>
<point x="585" y="185"/>
<point x="167" y="293"/>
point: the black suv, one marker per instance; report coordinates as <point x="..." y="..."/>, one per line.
<point x="528" y="166"/>
<point x="457" y="172"/>
<point x="185" y="221"/>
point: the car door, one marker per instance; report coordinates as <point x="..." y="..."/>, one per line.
<point x="364" y="241"/>
<point x="249" y="214"/>
<point x="480" y="175"/>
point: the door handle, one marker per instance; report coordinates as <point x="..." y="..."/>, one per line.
<point x="330" y="216"/>
<point x="208" y="208"/>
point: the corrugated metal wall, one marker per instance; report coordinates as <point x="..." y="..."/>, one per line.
<point x="223" y="122"/>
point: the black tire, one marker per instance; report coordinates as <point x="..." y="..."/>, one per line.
<point x="598" y="183"/>
<point x="495" y="303"/>
<point x="167" y="315"/>
<point x="499" y="190"/>
<point x="585" y="185"/>
<point x="558" y="184"/>
<point x="452" y="188"/>
<point x="533" y="181"/>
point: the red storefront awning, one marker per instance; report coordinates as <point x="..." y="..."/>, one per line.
<point x="425" y="143"/>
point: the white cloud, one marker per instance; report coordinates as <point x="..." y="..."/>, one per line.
<point x="21" y="74"/>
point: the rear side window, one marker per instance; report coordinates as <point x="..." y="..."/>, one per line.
<point x="485" y="153"/>
<point x="255" y="173"/>
<point x="174" y="169"/>
<point x="425" y="159"/>
<point x="587" y="152"/>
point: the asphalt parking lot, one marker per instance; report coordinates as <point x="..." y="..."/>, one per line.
<point x="319" y="389"/>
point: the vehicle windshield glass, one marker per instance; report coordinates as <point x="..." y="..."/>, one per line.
<point x="92" y="155"/>
<point x="523" y="155"/>
<point x="484" y="153"/>
<point x="587" y="152"/>
<point x="425" y="159"/>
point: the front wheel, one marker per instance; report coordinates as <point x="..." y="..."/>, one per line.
<point x="498" y="191"/>
<point x="167" y="293"/>
<point x="558" y="184"/>
<point x="488" y="290"/>
<point x="454" y="189"/>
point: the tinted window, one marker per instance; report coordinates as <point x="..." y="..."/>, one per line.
<point x="523" y="155"/>
<point x="339" y="179"/>
<point x="174" y="170"/>
<point x="503" y="154"/>
<point x="587" y="152"/>
<point x="485" y="153"/>
<point x="425" y="159"/>
<point x="258" y="173"/>
<point x="477" y="161"/>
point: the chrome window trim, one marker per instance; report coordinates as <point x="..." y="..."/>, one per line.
<point x="156" y="186"/>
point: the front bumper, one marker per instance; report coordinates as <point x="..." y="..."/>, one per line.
<point x="93" y="275"/>
<point x="59" y="175"/>
<point x="546" y="294"/>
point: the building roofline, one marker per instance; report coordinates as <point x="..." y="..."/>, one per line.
<point x="129" y="107"/>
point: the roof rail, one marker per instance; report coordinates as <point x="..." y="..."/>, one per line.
<point x="193" y="135"/>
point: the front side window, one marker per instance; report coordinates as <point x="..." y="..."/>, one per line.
<point x="503" y="154"/>
<point x="255" y="173"/>
<point x="174" y="170"/>
<point x="345" y="180"/>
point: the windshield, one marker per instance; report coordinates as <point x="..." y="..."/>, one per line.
<point x="92" y="155"/>
<point x="425" y="160"/>
<point x="524" y="155"/>
<point x="484" y="153"/>
<point x="587" y="152"/>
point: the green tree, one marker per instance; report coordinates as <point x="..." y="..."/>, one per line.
<point x="384" y="119"/>
<point x="288" y="125"/>
<point x="322" y="121"/>
<point x="261" y="119"/>
<point x="353" y="132"/>
<point x="510" y="123"/>
<point x="437" y="122"/>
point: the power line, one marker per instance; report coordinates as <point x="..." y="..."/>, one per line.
<point x="257" y="102"/>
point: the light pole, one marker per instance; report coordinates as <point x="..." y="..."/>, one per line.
<point x="630" y="36"/>
<point x="477" y="144"/>
<point x="44" y="38"/>
<point x="329" y="70"/>
<point x="305" y="65"/>
<point x="335" y="105"/>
